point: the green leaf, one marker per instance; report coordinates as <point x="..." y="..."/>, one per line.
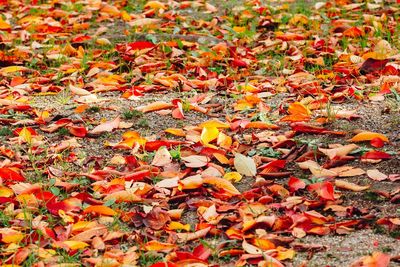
<point x="55" y="190"/>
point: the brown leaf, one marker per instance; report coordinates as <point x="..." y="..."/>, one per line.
<point x="184" y="237"/>
<point x="156" y="218"/>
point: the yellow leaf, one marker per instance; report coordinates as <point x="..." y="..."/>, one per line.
<point x="4" y="25"/>
<point x="175" y="131"/>
<point x="5" y="192"/>
<point x="103" y="41"/>
<point x="368" y="136"/>
<point x="82" y="225"/>
<point x="284" y="253"/>
<point x="178" y="226"/>
<point x="209" y="134"/>
<point x="155" y="245"/>
<point x="298" y="19"/>
<point x="224" y="141"/>
<point x="239" y="29"/>
<point x="66" y="218"/>
<point x="155" y="5"/>
<point x="374" y="55"/>
<point x="10" y="69"/>
<point x="12" y="237"/>
<point x="233" y="176"/>
<point x="25" y="135"/>
<point x="75" y="244"/>
<point x="125" y="16"/>
<point x="221" y="158"/>
<point x="214" y="123"/>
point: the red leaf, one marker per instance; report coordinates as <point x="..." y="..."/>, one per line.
<point x="155" y="145"/>
<point x="140" y="45"/>
<point x="377" y="142"/>
<point x="273" y="166"/>
<point x="137" y="176"/>
<point x="65" y="205"/>
<point x="324" y="190"/>
<point x="296" y="184"/>
<point x="77" y="131"/>
<point x="371" y="65"/>
<point x="29" y="129"/>
<point x="80" y="39"/>
<point x="376" y="155"/>
<point x="7" y="175"/>
<point x="238" y="63"/>
<point x="164" y="264"/>
<point x="202" y="252"/>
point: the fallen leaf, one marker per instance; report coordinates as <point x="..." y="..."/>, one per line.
<point x="106" y="127"/>
<point x="376" y="175"/>
<point x="245" y="165"/>
<point x="195" y="161"/>
<point x="340" y="151"/>
<point x="368" y="136"/>
<point x="350" y="186"/>
<point x="223" y="184"/>
<point x="233" y="176"/>
<point x="100" y="210"/>
<point x="162" y="157"/>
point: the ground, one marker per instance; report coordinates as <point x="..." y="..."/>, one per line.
<point x="96" y="96"/>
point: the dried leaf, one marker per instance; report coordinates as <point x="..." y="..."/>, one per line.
<point x="376" y="175"/>
<point x="350" y="186"/>
<point x="245" y="165"/>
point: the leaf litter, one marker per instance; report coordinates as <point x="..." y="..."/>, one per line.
<point x="275" y="136"/>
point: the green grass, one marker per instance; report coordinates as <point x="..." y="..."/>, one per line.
<point x="129" y="114"/>
<point x="5" y="131"/>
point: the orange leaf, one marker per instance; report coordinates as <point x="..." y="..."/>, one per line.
<point x="368" y="136"/>
<point x="221" y="183"/>
<point x="100" y="210"/>
<point x="155" y="245"/>
<point x="158" y="105"/>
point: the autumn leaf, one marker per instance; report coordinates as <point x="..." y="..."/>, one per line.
<point x="368" y="136"/>
<point x="100" y="210"/>
<point x="376" y="175"/>
<point x="221" y="184"/>
<point x="245" y="165"/>
<point x="350" y="186"/>
<point x="106" y="126"/>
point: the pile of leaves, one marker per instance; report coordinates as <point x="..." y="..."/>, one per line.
<point x="239" y="187"/>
